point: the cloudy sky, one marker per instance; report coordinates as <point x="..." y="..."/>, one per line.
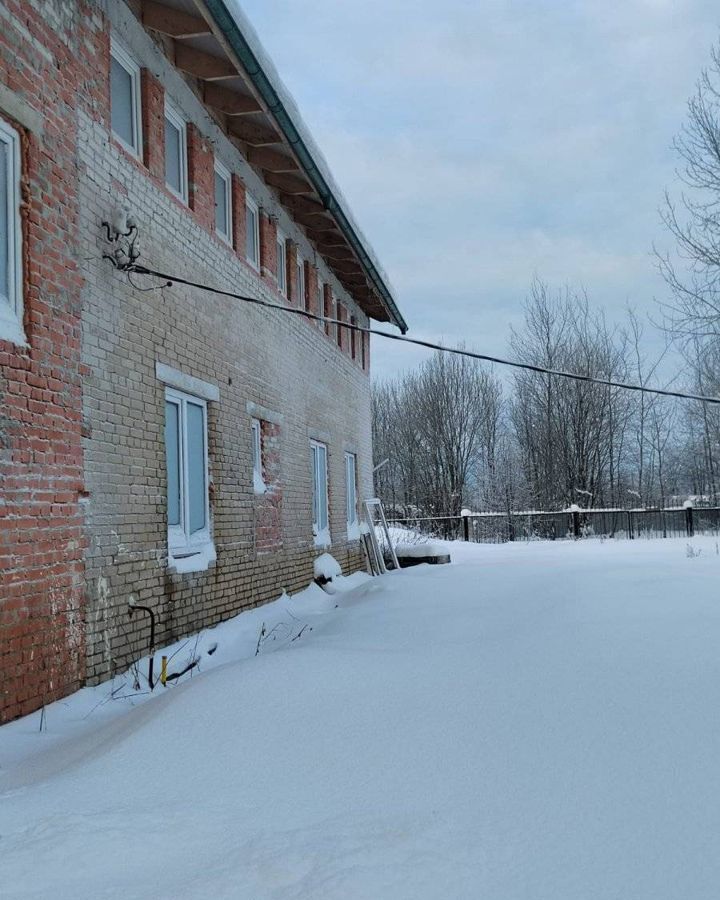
<point x="481" y="144"/>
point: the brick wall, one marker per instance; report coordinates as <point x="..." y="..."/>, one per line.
<point x="276" y="367"/>
<point x="53" y="56"/>
<point x="83" y="524"/>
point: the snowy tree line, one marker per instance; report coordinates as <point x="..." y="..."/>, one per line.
<point x="458" y="435"/>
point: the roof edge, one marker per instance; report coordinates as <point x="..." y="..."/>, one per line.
<point x="228" y="23"/>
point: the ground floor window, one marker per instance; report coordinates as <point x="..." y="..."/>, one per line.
<point x="353" y="525"/>
<point x="321" y="528"/>
<point x="259" y="485"/>
<point x="187" y="474"/>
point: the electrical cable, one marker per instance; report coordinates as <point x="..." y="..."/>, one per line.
<point x="430" y="345"/>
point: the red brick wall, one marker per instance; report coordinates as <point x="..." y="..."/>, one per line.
<point x="42" y="600"/>
<point x="329" y="311"/>
<point x="239" y="215"/>
<point x="292" y="285"/>
<point x="153" y="117"/>
<point x="311" y="290"/>
<point x="201" y="177"/>
<point x="268" y="248"/>
<point x="268" y="506"/>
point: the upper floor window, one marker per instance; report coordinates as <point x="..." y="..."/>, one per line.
<point x="176" y="153"/>
<point x="187" y="473"/>
<point x="300" y="283"/>
<point x="125" y="114"/>
<point x="281" y="262"/>
<point x="223" y="202"/>
<point x="252" y="232"/>
<point x="10" y="237"/>
<point x="321" y="529"/>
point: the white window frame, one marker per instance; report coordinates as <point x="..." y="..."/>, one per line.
<point x="180" y="542"/>
<point x="300" y="282"/>
<point x="225" y="176"/>
<point x="177" y="121"/>
<point x="11" y="306"/>
<point x="251" y="205"/>
<point x="320" y="524"/>
<point x="281" y="244"/>
<point x="121" y="56"/>
<point x="259" y="486"/>
<point x="351" y="504"/>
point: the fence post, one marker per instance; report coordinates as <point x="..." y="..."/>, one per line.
<point x="465" y="516"/>
<point x="511" y="527"/>
<point x="630" y="525"/>
<point x="576" y="524"/>
<point x="689" y="524"/>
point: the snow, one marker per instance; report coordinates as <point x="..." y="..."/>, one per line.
<point x="197" y="561"/>
<point x="326" y="566"/>
<point x="420" y="549"/>
<point x="536" y="721"/>
<point x="259" y="486"/>
<point x="322" y="538"/>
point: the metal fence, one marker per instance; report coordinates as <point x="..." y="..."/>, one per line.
<point x="542" y="525"/>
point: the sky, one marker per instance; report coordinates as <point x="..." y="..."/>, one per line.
<point x="483" y="144"/>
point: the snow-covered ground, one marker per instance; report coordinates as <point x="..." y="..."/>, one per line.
<point x="534" y="722"/>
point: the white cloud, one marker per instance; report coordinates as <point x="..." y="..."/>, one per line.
<point x="482" y="144"/>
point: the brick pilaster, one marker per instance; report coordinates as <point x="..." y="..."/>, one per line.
<point x="292" y="286"/>
<point x="201" y="177"/>
<point x="328" y="304"/>
<point x="153" y="119"/>
<point x="268" y="247"/>
<point x="239" y="216"/>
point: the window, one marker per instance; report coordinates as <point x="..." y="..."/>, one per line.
<point x="321" y="531"/>
<point x="281" y="263"/>
<point x="187" y="473"/>
<point x="10" y="237"/>
<point x="258" y="481"/>
<point x="223" y="203"/>
<point x="176" y="153"/>
<point x="353" y="526"/>
<point x="252" y="232"/>
<point x="125" y="99"/>
<point x="300" y="284"/>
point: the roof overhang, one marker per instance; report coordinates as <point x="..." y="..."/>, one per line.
<point x="212" y="42"/>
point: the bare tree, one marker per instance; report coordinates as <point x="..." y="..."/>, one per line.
<point x="694" y="219"/>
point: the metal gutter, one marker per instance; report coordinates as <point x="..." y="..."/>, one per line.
<point x="228" y="24"/>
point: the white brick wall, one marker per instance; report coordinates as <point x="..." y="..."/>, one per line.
<point x="275" y="360"/>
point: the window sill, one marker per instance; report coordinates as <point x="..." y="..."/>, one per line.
<point x="195" y="560"/>
<point x="322" y="541"/>
<point x="11" y="330"/>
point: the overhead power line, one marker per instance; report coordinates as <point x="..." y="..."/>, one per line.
<point x="418" y="342"/>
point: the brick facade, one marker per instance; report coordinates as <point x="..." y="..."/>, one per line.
<point x="83" y="516"/>
<point x="52" y="66"/>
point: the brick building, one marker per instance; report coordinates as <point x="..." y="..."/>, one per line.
<point x="166" y="446"/>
